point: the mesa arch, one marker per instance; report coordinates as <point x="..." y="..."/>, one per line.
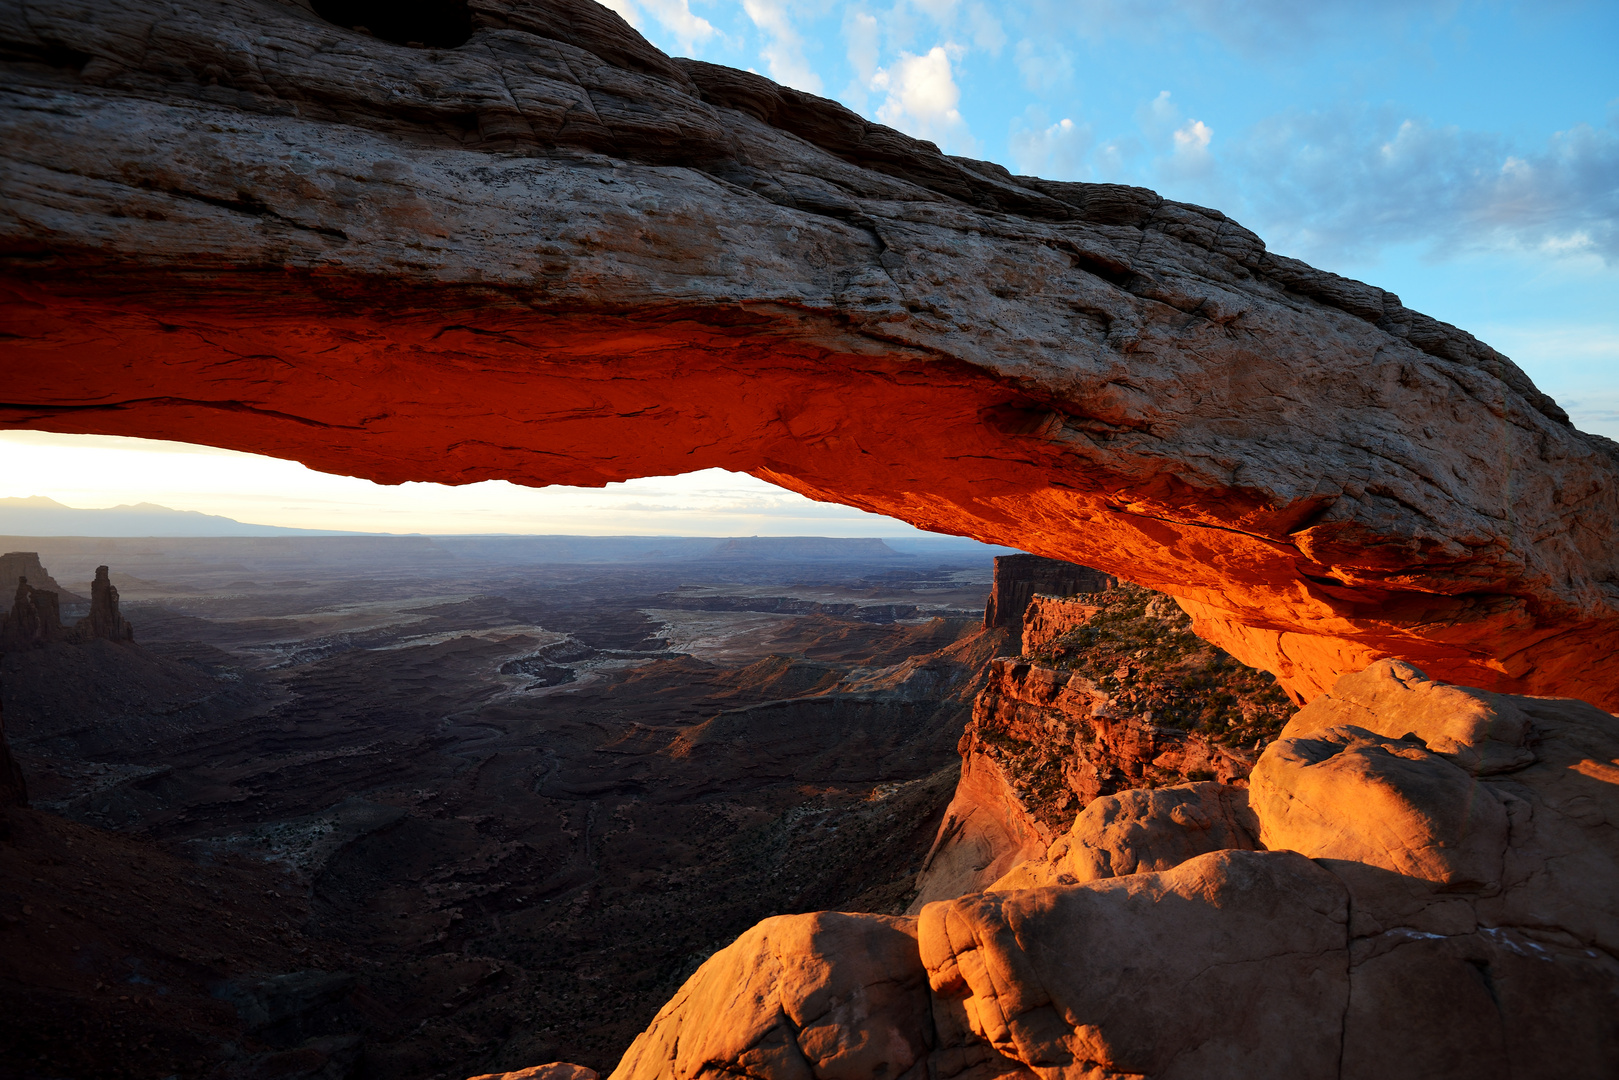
<point x="552" y="254"/>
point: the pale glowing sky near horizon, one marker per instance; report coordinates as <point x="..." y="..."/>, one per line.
<point x="1462" y="154"/>
<point x="88" y="471"/>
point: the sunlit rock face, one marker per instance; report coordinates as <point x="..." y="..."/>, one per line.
<point x="1433" y="903"/>
<point x="520" y="242"/>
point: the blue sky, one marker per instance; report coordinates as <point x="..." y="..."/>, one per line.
<point x="1463" y="155"/>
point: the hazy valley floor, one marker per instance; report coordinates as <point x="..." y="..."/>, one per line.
<point x="462" y="811"/>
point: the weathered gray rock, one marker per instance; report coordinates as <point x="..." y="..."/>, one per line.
<point x="553" y="254"/>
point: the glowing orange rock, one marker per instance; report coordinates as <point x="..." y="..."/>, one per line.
<point x="555" y="255"/>
<point x="1430" y="922"/>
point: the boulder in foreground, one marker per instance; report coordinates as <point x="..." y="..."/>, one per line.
<point x="1446" y="910"/>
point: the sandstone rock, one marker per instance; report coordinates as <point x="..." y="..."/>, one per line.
<point x="34" y="619"/>
<point x="1426" y="845"/>
<point x="1230" y="965"/>
<point x="104" y="621"/>
<point x="236" y="223"/>
<point x="1141" y="831"/>
<point x="1347" y="795"/>
<point x="824" y="996"/>
<point x="1483" y="733"/>
<point x="1503" y="1002"/>
<point x="35" y="616"/>
<point x="1431" y="921"/>
<point x="1049" y="617"/>
<point x="17" y="565"/>
<point x="1020" y="578"/>
<point x="1042" y="744"/>
<point x="1089" y="742"/>
<point x="987" y="831"/>
<point x="556" y="1070"/>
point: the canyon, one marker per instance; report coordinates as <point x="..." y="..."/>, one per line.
<point x="1309" y="770"/>
<point x="413" y="806"/>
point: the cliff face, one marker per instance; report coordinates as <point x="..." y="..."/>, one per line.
<point x="1019" y="578"/>
<point x="238" y="223"/>
<point x="1434" y="903"/>
<point x="15" y="566"/>
<point x="104" y="621"/>
<point x="35" y="616"/>
<point x="1113" y="693"/>
<point x="1050" y="617"/>
<point x="35" y="620"/>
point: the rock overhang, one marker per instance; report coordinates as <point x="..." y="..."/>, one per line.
<point x="554" y="255"/>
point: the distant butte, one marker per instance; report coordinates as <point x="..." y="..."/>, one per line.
<point x="520" y="242"/>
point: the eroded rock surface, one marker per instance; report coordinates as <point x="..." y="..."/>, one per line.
<point x="35" y="616"/>
<point x="1118" y="695"/>
<point x="556" y="1070"/>
<point x="1019" y="579"/>
<point x="1428" y="920"/>
<point x="237" y="223"/>
<point x="33" y="621"/>
<point x="17" y="566"/>
<point x="104" y="621"/>
<point x="806" y="997"/>
<point x="1141" y="831"/>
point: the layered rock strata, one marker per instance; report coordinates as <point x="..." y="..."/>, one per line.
<point x="1048" y="618"/>
<point x="1113" y="693"/>
<point x="35" y="617"/>
<point x="549" y="253"/>
<point x="104" y="620"/>
<point x="1043" y="744"/>
<point x="1433" y="904"/>
<point x="1019" y="579"/>
<point x="34" y="620"/>
<point x="16" y="566"/>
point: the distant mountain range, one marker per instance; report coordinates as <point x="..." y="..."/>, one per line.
<point x="45" y="517"/>
<point x="40" y="516"/>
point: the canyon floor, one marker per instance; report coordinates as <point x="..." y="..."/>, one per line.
<point x="424" y="808"/>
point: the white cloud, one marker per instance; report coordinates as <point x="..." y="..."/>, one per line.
<point x="1056" y="151"/>
<point x="1351" y="179"/>
<point x="625" y="10"/>
<point x="674" y="16"/>
<point x="784" y="50"/>
<point x="861" y="36"/>
<point x="1193" y="138"/>
<point x="1044" y="65"/>
<point x="1190" y="157"/>
<point x="1265" y="29"/>
<point x="988" y="34"/>
<point x="861" y="32"/>
<point x="921" y="98"/>
<point x="940" y="11"/>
